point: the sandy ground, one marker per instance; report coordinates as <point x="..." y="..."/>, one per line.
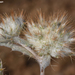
<point x="15" y="63"/>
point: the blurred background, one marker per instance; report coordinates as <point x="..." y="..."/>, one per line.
<point x="15" y="63"/>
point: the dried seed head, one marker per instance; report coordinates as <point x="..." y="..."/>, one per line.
<point x="11" y="26"/>
<point x="49" y="37"/>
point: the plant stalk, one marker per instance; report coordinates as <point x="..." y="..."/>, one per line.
<point x="42" y="71"/>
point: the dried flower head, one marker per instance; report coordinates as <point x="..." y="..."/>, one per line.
<point x="49" y="37"/>
<point x="10" y="29"/>
<point x="11" y="26"/>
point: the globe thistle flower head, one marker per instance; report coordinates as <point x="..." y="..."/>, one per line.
<point x="11" y="25"/>
<point x="49" y="37"/>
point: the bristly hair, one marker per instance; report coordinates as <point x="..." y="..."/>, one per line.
<point x="50" y="35"/>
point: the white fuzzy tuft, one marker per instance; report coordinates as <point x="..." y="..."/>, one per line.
<point x="11" y="26"/>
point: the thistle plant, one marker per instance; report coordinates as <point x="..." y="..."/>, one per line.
<point x="43" y="39"/>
